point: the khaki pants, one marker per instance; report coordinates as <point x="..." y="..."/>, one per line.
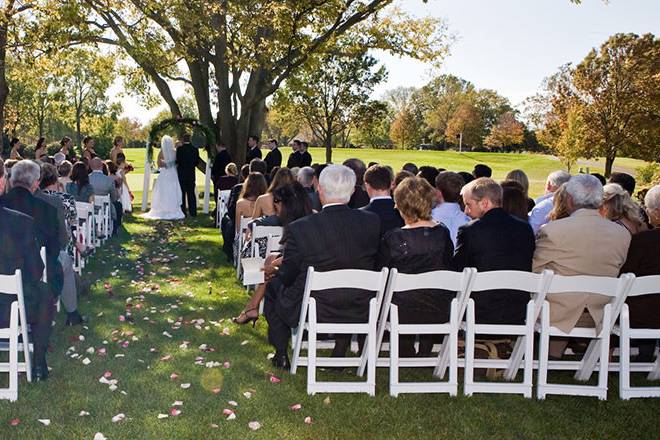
<point x="558" y="345"/>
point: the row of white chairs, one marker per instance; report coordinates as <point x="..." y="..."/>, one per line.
<point x="93" y="227"/>
<point x="384" y="316"/>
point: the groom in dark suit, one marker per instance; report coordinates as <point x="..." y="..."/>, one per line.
<point x="187" y="158"/>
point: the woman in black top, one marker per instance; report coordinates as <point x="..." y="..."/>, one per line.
<point x="420" y="246"/>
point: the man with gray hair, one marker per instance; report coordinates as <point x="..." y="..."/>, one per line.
<point x="306" y="179"/>
<point x="582" y="244"/>
<point x="336" y="238"/>
<point x="538" y="216"/>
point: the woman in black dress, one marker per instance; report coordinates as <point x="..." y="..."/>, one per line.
<point x="420" y="246"/>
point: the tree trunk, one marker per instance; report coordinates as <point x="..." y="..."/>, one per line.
<point x="78" y="138"/>
<point x="328" y="144"/>
<point x="4" y="90"/>
<point x="609" y="162"/>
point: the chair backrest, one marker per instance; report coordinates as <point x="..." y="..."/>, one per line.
<point x="265" y="231"/>
<point x="11" y="284"/>
<point x="245" y="221"/>
<point x="223" y="195"/>
<point x="100" y="200"/>
<point x="274" y="243"/>
<point x="645" y="285"/>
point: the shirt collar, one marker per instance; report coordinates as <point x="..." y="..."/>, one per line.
<point x="381" y="198"/>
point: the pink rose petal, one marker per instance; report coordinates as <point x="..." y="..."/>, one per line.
<point x="166" y="358"/>
<point x="174" y="376"/>
<point x="216" y="390"/>
<point x="15" y="422"/>
<point x="175" y="412"/>
<point x="295" y="407"/>
<point x="254" y="425"/>
<point x="308" y="420"/>
<point x="227" y="411"/>
<point x="107" y="374"/>
<point x="275" y="379"/>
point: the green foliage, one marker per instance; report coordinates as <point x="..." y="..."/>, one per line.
<point x="649" y="174"/>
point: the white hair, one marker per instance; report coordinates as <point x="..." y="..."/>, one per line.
<point x="25" y="174"/>
<point x="306" y="176"/>
<point x="337" y="183"/>
<point x="652" y="198"/>
<point x="586" y="191"/>
<point x="558" y="178"/>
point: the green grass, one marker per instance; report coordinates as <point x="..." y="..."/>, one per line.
<point x="184" y="267"/>
<point x="537" y="166"/>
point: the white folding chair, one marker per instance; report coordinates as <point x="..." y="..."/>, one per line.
<point x="221" y="206"/>
<point x="401" y="284"/>
<point x="13" y="285"/>
<point x="597" y="353"/>
<point x="526" y="283"/>
<point x="338" y="279"/>
<point x="244" y="221"/>
<point x="259" y="232"/>
<point x="86" y="212"/>
<point x="641" y="286"/>
<point x="104" y="220"/>
<point x="274" y="243"/>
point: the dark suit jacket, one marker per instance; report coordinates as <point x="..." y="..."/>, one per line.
<point x="314" y="198"/>
<point x="187" y="158"/>
<point x="305" y="159"/>
<point x="498" y="241"/>
<point x="252" y="153"/>
<point x="384" y="209"/>
<point x="644" y="259"/>
<point x="359" y="199"/>
<point x="273" y="159"/>
<point x="336" y="238"/>
<point x="46" y="228"/>
<point x="295" y="160"/>
<point x="222" y="159"/>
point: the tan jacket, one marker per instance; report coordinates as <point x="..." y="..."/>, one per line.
<point x="582" y="244"/>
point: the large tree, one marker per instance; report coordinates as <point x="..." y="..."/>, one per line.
<point x="235" y="54"/>
<point x="508" y="131"/>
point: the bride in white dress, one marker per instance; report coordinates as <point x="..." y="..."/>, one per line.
<point x="166" y="200"/>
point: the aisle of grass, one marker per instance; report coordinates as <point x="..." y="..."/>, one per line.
<point x="189" y="292"/>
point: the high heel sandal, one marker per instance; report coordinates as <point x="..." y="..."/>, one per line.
<point x="243" y="318"/>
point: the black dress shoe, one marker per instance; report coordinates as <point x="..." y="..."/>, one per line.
<point x="40" y="373"/>
<point x="281" y="361"/>
<point x="75" y="318"/>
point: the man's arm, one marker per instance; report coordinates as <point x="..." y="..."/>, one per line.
<point x="292" y="260"/>
<point x="461" y="255"/>
<point x="545" y="250"/>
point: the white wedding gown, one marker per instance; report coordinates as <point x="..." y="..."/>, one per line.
<point x="166" y="199"/>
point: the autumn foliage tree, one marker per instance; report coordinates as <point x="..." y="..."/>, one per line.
<point x="506" y="132"/>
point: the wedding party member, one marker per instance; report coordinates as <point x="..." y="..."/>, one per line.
<point x="295" y="158"/>
<point x="481" y="170"/>
<point x="494" y="240"/>
<point x="422" y="245"/>
<point x="40" y="150"/>
<point x="582" y="244"/>
<point x="305" y="157"/>
<point x="187" y="158"/>
<point x="20" y="250"/>
<point x="254" y="151"/>
<point x="514" y="200"/>
<point x="274" y="157"/>
<point x="360" y="197"/>
<point x="65" y="148"/>
<point x="104" y="185"/>
<point x="643" y="259"/>
<point x="79" y="186"/>
<point x="538" y="216"/>
<point x="117" y="147"/>
<point x="377" y="182"/>
<point x="166" y="199"/>
<point x="336" y="238"/>
<point x="264" y="204"/>
<point x="520" y="177"/>
<point x="125" y="194"/>
<point x="15" y="145"/>
<point x="291" y="203"/>
<point x="619" y="208"/>
<point x="88" y="149"/>
<point x="448" y="209"/>
<point x="24" y="182"/>
<point x="219" y="168"/>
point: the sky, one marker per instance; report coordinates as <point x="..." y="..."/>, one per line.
<point x="506" y="45"/>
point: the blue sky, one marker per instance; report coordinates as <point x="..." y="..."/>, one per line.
<point x="507" y="45"/>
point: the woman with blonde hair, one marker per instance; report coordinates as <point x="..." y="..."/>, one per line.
<point x="264" y="204"/>
<point x="559" y="205"/>
<point x="619" y="207"/>
<point x="117" y="147"/>
<point x="520" y="177"/>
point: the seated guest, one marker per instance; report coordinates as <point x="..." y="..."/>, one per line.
<point x="428" y="173"/>
<point x="336" y="238"/>
<point x="316" y="201"/>
<point x="291" y="203"/>
<point x="399" y="177"/>
<point x="377" y="181"/>
<point x="49" y="187"/>
<point x="24" y="182"/>
<point x="256" y="166"/>
<point x="643" y="259"/>
<point x="227" y="226"/>
<point x="520" y="177"/>
<point x="360" y="197"/>
<point x="575" y="245"/>
<point x="306" y="179"/>
<point x="560" y="208"/>
<point x="619" y="208"/>
<point x="538" y="216"/>
<point x="270" y="175"/>
<point x="626" y="181"/>
<point x="514" y="200"/>
<point x="494" y="240"/>
<point x="448" y="210"/>
<point x="64" y="170"/>
<point x="600" y="178"/>
<point x="253" y="187"/>
<point x="481" y="170"/>
<point x="420" y="246"/>
<point x="20" y="250"/>
<point x="467" y="177"/>
<point x="411" y="168"/>
<point x="104" y="185"/>
<point x="79" y="187"/>
<point x="264" y="205"/>
<point x="230" y="177"/>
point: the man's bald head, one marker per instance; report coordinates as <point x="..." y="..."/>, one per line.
<point x="96" y="164"/>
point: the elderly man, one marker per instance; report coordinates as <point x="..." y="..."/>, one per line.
<point x="336" y="238"/>
<point x="306" y="179"/>
<point x="105" y="186"/>
<point x="377" y="182"/>
<point x="20" y="250"/>
<point x="538" y="216"/>
<point x="582" y="244"/>
<point x="643" y="259"/>
<point x="448" y="187"/>
<point x="494" y="240"/>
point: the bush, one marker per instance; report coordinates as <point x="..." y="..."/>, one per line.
<point x="649" y="174"/>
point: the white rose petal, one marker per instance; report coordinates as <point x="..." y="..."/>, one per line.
<point x="254" y="425"/>
<point x="45" y="422"/>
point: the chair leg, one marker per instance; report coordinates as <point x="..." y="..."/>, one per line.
<point x="519" y="349"/>
<point x="13" y="354"/>
<point x="311" y="349"/>
<point x="372" y="350"/>
<point x="394" y="350"/>
<point x="624" y="359"/>
<point x="469" y="350"/>
<point x="544" y="343"/>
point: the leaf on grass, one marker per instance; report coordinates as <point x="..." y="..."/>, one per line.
<point x="326" y="401"/>
<point x="166" y="358"/>
<point x="216" y="390"/>
<point x="214" y="425"/>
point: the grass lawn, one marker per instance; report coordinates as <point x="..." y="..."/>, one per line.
<point x="189" y="292"/>
<point x="537" y="166"/>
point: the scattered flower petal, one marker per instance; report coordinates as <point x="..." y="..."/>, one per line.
<point x="227" y="411"/>
<point x="86" y="361"/>
<point x="185" y="386"/>
<point x="83" y="414"/>
<point x="308" y="420"/>
<point x="231" y="416"/>
<point x="275" y="379"/>
<point x="118" y="418"/>
<point x="247" y="394"/>
<point x="107" y="374"/>
<point x="254" y="425"/>
<point x="216" y="390"/>
<point x="326" y="401"/>
<point x="175" y="412"/>
<point x="174" y="376"/>
<point x="45" y="422"/>
<point x="99" y="436"/>
<point x="295" y="407"/>
<point x="233" y="403"/>
<point x="177" y="403"/>
<point x="15" y="422"/>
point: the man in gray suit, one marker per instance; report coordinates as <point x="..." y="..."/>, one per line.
<point x="105" y="186"/>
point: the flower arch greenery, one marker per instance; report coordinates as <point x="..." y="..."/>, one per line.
<point x="179" y="122"/>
